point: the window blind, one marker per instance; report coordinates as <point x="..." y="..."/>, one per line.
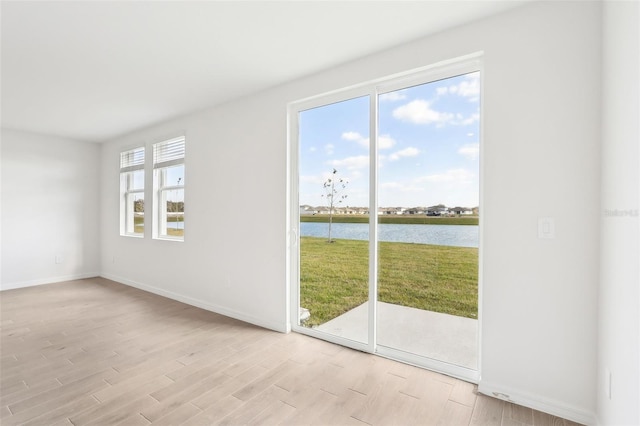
<point x="168" y="153"/>
<point x="132" y="160"/>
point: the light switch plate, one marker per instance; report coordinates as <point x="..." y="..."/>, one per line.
<point x="546" y="228"/>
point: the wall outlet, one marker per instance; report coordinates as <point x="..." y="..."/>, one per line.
<point x="502" y="396"/>
<point x="59" y="258"/>
<point x="607" y="383"/>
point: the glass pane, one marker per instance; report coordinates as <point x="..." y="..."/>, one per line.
<point x="173" y="175"/>
<point x="173" y="212"/>
<point x="135" y="213"/>
<point x="334" y="217"/>
<point x="428" y="219"/>
<point x="136" y="180"/>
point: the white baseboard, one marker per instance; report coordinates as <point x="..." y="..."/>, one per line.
<point x="553" y="407"/>
<point x="49" y="280"/>
<point x="280" y="327"/>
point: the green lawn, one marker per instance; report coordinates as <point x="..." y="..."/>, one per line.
<point x="139" y="226"/>
<point x="334" y="277"/>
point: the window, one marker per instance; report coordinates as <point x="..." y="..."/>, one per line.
<point x="168" y="184"/>
<point x="132" y="192"/>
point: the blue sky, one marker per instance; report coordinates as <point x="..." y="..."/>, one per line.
<point x="428" y="146"/>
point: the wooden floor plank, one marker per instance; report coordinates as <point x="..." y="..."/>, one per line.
<point x="267" y="380"/>
<point x="97" y="352"/>
<point x="518" y="413"/>
<point x="212" y="396"/>
<point x="118" y="416"/>
<point x="178" y="416"/>
<point x="487" y="411"/>
<point x="29" y="392"/>
<point x="135" y="419"/>
<point x="455" y="414"/>
<point x="340" y="413"/>
<point x="45" y="401"/>
<point x="383" y="389"/>
<point x="181" y="395"/>
<point x="309" y="404"/>
<point x="544" y="419"/>
<point x="215" y="412"/>
<point x="251" y="409"/>
<point x="273" y="415"/>
<point x="464" y="393"/>
<point x="62" y="413"/>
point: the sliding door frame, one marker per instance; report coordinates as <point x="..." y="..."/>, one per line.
<point x="373" y="89"/>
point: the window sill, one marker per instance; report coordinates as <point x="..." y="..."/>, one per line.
<point x="132" y="235"/>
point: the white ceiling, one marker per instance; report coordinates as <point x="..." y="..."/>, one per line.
<point x="96" y="70"/>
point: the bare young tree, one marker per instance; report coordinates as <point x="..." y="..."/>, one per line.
<point x="334" y="192"/>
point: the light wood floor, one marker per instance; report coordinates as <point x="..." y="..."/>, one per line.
<point x="97" y="352"/>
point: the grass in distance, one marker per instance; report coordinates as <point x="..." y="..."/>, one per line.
<point x="398" y="219"/>
<point x="333" y="277"/>
<point x="139" y="226"/>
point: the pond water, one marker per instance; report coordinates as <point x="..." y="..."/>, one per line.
<point x="443" y="235"/>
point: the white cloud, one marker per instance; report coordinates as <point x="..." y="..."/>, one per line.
<point x="352" y="136"/>
<point x="470" y="120"/>
<point x="471" y="151"/>
<point x="384" y="141"/>
<point x="351" y="163"/>
<point x="391" y="185"/>
<point x="420" y="112"/>
<point x="468" y="88"/>
<point x="356" y="174"/>
<point x="399" y="187"/>
<point x="398" y="95"/>
<point x="312" y="179"/>
<point x="458" y="176"/>
<point x="328" y="149"/>
<point x="407" y="152"/>
<point x="313" y="149"/>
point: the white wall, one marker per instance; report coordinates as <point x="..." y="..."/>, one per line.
<point x="541" y="158"/>
<point x="619" y="295"/>
<point x="50" y="208"/>
<point x="541" y="140"/>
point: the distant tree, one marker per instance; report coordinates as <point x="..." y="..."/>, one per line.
<point x="334" y="188"/>
<point x="138" y="206"/>
<point x="175" y="206"/>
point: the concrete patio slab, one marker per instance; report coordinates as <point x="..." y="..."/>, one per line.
<point x="444" y="337"/>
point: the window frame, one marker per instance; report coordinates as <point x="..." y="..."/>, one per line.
<point x="131" y="161"/>
<point x="173" y="155"/>
<point x="374" y="88"/>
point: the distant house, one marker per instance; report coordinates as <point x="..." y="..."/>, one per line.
<point x="461" y="211"/>
<point x="438" y="210"/>
<point x="306" y="210"/>
<point x="356" y="210"/>
<point x="415" y="210"/>
<point x="391" y="210"/>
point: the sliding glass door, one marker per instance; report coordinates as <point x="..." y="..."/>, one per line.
<point x="428" y="193"/>
<point x="334" y="219"/>
<point x="385" y="190"/>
